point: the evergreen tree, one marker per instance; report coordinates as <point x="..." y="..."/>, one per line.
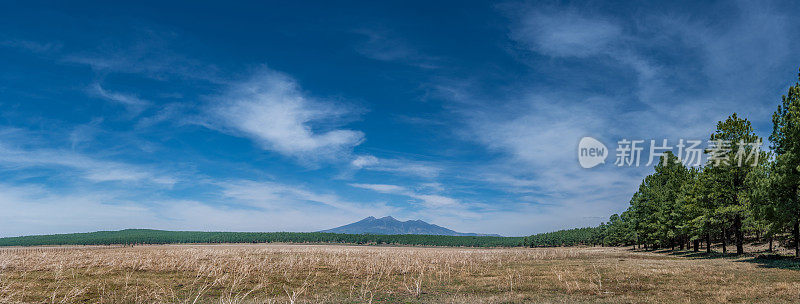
<point x="781" y="184"/>
<point x="694" y="200"/>
<point x="734" y="154"/>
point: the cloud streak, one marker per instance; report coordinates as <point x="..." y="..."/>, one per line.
<point x="385" y="46"/>
<point x="396" y="166"/>
<point x="566" y="34"/>
<point x="277" y="196"/>
<point x="134" y="104"/>
<point x="90" y="168"/>
<point x="433" y="201"/>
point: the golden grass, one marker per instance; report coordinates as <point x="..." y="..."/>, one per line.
<point x="362" y="274"/>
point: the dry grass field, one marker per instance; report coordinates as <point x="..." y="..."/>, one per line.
<point x="363" y="274"/>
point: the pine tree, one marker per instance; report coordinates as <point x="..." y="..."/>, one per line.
<point x="730" y="161"/>
<point x="782" y="183"/>
<point x="697" y="207"/>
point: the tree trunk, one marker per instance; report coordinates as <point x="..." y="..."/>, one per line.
<point x="770" y="243"/>
<point x="724" y="240"/>
<point x="708" y="242"/>
<point x="737" y="226"/>
<point x="796" y="238"/>
<point x="696" y="245"/>
<point x="680" y="246"/>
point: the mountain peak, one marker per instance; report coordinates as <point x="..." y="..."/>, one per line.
<point x="390" y="225"/>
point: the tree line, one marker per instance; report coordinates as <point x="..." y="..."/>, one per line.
<point x="730" y="197"/>
<point x="148" y="236"/>
<point x="569" y="237"/>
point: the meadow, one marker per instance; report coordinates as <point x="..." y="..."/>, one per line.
<point x="283" y="273"/>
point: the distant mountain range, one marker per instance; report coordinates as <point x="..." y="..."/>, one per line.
<point x="390" y="225"/>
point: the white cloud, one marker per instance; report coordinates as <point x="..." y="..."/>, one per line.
<point x="382" y="188"/>
<point x="432" y="201"/>
<point x="433" y="186"/>
<point x="84" y="133"/>
<point x="365" y="161"/>
<point x="747" y="60"/>
<point x="277" y="196"/>
<point x="144" y="50"/>
<point x="176" y="113"/>
<point x="134" y="104"/>
<point x="90" y="168"/>
<point x="270" y="109"/>
<point x="436" y="201"/>
<point x="401" y="166"/>
<point x="566" y="34"/>
<point x="385" y="46"/>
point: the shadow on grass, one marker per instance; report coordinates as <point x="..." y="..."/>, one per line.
<point x="774" y="261"/>
<point x="762" y="259"/>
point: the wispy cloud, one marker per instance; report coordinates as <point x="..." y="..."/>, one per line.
<point x="270" y="109"/>
<point x="427" y="200"/>
<point x="32" y="46"/>
<point x="134" y="104"/>
<point x="90" y="168"/>
<point x="745" y="60"/>
<point x="274" y="195"/>
<point x="566" y="33"/>
<point x="85" y="133"/>
<point x="382" y="188"/>
<point x="177" y="113"/>
<point x="535" y="129"/>
<point x="146" y="51"/>
<point x="397" y="166"/>
<point x="383" y="45"/>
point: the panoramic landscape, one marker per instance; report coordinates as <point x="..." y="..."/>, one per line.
<point x="400" y="152"/>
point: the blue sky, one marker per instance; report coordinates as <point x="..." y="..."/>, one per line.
<point x="280" y="116"/>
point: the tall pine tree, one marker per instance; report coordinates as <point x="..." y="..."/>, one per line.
<point x="783" y="181"/>
<point x="730" y="161"/>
